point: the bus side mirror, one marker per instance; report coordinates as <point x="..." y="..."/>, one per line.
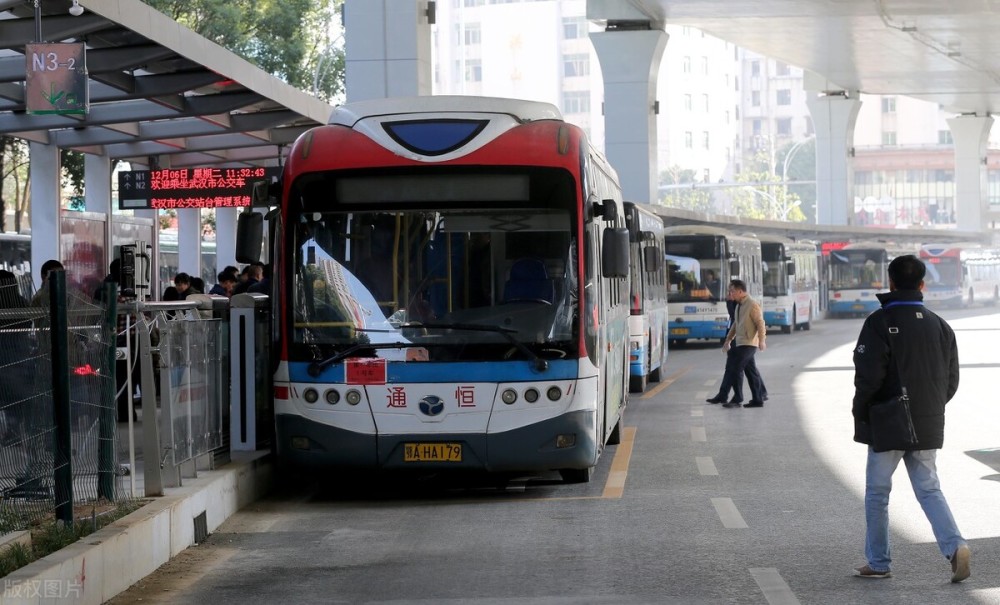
<point x="263" y="194"/>
<point x="614" y="252"/>
<point x="607" y="210"/>
<point x="734" y="267"/>
<point x="249" y="236"/>
<point x="791" y="268"/>
<point x="651" y="258"/>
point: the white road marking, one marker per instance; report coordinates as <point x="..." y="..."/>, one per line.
<point x="698" y="433"/>
<point x="775" y="590"/>
<point x="728" y="513"/>
<point x="697" y="412"/>
<point x="706" y="466"/>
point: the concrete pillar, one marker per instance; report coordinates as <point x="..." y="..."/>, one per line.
<point x="45" y="206"/>
<point x="971" y="134"/>
<point x="189" y="241"/>
<point x="834" y="114"/>
<point x="97" y="177"/>
<point x="225" y="237"/>
<point x="630" y="64"/>
<point x="387" y="47"/>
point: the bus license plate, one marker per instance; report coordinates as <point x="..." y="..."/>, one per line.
<point x="679" y="331"/>
<point x="858" y="307"/>
<point x="432" y="452"/>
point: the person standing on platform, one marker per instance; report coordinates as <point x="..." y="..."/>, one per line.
<point x="41" y="297"/>
<point x="749" y="333"/>
<point x="227" y="281"/>
<point x="923" y="358"/>
<point x="750" y="371"/>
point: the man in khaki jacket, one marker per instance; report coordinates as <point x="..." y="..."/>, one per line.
<point x="749" y="333"/>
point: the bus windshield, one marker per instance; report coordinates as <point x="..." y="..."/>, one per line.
<point x="694" y="268"/>
<point x="775" y="269"/>
<point x="944" y="271"/>
<point x="461" y="283"/>
<point x="856" y="269"/>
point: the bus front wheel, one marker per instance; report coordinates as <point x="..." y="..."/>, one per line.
<point x="576" y="475"/>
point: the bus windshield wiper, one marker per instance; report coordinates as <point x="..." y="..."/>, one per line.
<point x="508" y="333"/>
<point x="316" y="368"/>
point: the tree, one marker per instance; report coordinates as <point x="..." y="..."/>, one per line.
<point x="14" y="180"/>
<point x="802" y="167"/>
<point x="687" y="198"/>
<point x="289" y="39"/>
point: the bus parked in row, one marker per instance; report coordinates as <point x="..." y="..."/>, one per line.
<point x="959" y="275"/>
<point x="701" y="260"/>
<point x="451" y="290"/>
<point x="791" y="283"/>
<point x="857" y="272"/>
<point x="648" y="294"/>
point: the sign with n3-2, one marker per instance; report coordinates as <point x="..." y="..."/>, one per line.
<point x="56" y="79"/>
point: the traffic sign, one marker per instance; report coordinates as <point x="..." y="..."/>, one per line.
<point x="56" y="79"/>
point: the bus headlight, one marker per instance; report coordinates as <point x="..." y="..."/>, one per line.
<point x="531" y="395"/>
<point x="554" y="393"/>
<point x="509" y="396"/>
<point x="332" y="397"/>
<point x="310" y="395"/>
<point x="353" y="397"/>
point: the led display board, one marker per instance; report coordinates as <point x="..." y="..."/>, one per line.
<point x="190" y="187"/>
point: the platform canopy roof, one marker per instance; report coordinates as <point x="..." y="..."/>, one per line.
<point x="943" y="51"/>
<point x="156" y="88"/>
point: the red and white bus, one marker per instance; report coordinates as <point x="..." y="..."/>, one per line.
<point x="960" y="274"/>
<point x="451" y="290"/>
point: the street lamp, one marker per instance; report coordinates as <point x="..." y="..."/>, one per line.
<point x="788" y="157"/>
<point x="785" y="208"/>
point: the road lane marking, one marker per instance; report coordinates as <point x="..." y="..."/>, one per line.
<point x="706" y="466"/>
<point x="698" y="413"/>
<point x="698" y="433"/>
<point x="728" y="513"/>
<point x="614" y="487"/>
<point x="775" y="590"/>
<point x="665" y="383"/>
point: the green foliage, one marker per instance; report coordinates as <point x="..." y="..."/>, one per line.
<point x="72" y="169"/>
<point x="698" y="200"/>
<point x="289" y="39"/>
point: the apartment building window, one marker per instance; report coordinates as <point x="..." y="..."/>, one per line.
<point x="471" y="3"/>
<point x="728" y="121"/>
<point x="756" y="128"/>
<point x="704" y="65"/>
<point x="704" y="140"/>
<point x="755" y="98"/>
<point x="707" y="176"/>
<point x="888" y="104"/>
<point x="576" y="102"/>
<point x="784" y="96"/>
<point x="781" y="69"/>
<point x="576" y="65"/>
<point x="889" y="138"/>
<point x="944" y="138"/>
<point x="704" y="103"/>
<point x="473" y="34"/>
<point x="687" y="102"/>
<point x="574" y="28"/>
<point x="754" y="68"/>
<point x="688" y="140"/>
<point x="736" y="112"/>
<point x="473" y="70"/>
<point x="686" y="64"/>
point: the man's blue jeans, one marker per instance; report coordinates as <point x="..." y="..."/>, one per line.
<point x="921" y="467"/>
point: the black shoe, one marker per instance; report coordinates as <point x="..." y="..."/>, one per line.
<point x="715" y="400"/>
<point x="735" y="400"/>
<point x="754" y="404"/>
<point x="731" y="405"/>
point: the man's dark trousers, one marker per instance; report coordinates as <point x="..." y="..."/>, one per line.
<point x="736" y="363"/>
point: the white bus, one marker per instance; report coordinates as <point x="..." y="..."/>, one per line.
<point x="791" y="283"/>
<point x="701" y="261"/>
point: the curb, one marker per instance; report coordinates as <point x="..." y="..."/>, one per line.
<point x="110" y="560"/>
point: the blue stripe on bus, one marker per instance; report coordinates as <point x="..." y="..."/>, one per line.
<point x="429" y="371"/>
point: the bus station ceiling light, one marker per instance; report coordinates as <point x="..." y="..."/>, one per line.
<point x="76" y="10"/>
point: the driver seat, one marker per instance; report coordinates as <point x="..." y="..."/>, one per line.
<point x="529" y="280"/>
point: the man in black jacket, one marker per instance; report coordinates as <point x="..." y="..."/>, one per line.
<point x="903" y="344"/>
